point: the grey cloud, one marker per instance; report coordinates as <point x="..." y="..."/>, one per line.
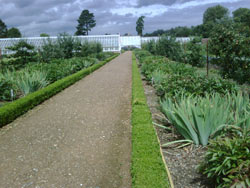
<point x="142" y="3"/>
<point x="57" y="16"/>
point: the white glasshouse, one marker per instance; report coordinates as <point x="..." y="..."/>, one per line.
<point x="112" y="43"/>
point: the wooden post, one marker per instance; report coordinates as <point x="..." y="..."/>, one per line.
<point x="0" y="53"/>
<point x="207" y="60"/>
<point x="185" y="56"/>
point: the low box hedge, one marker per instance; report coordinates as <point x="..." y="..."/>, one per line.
<point x="11" y="111"/>
<point x="148" y="169"/>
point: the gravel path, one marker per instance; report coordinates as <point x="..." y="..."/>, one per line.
<point x="79" y="138"/>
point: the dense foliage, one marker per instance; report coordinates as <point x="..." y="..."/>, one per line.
<point x="165" y="46"/>
<point x="3" y="29"/>
<point x="231" y="47"/>
<point x="67" y="47"/>
<point x="14" y="33"/>
<point x="227" y="162"/>
<point x="170" y="78"/>
<point x="193" y="55"/>
<point x="23" y="53"/>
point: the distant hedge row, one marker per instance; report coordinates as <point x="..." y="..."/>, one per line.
<point x="11" y="111"/>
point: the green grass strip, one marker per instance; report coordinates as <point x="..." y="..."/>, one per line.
<point x="11" y="111"/>
<point x="148" y="169"/>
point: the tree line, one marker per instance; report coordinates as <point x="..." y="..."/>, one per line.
<point x="212" y="17"/>
<point x="9" y="33"/>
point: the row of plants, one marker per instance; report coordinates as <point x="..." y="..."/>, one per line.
<point x="205" y="111"/>
<point x="64" y="47"/>
<point x="28" y="69"/>
<point x="147" y="168"/>
<point x="228" y="49"/>
<point x="16" y="84"/>
<point x="11" y="111"/>
<point x="171" y="78"/>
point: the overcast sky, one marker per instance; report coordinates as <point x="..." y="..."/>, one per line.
<point x="33" y="17"/>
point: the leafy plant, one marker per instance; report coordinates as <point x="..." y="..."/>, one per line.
<point x="28" y="82"/>
<point x="5" y="89"/>
<point x="200" y="118"/>
<point x="23" y="54"/>
<point x="227" y="162"/>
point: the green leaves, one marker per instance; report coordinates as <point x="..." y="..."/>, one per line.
<point x="201" y="118"/>
<point x="230" y="44"/>
<point x="170" y="78"/>
<point x="227" y="162"/>
<point x="28" y="82"/>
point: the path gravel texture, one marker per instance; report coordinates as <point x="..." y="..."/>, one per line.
<point x="79" y="138"/>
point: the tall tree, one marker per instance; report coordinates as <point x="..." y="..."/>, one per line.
<point x="140" y="25"/>
<point x="242" y="15"/>
<point x="213" y="14"/>
<point x="44" y="35"/>
<point x="3" y="29"/>
<point x="14" y="33"/>
<point x="211" y="17"/>
<point x="86" y="22"/>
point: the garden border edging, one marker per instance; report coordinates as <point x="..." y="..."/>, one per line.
<point x="148" y="168"/>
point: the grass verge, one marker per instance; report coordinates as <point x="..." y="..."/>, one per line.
<point x="148" y="169"/>
<point x="11" y="111"/>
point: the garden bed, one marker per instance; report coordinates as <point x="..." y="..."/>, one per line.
<point x="182" y="162"/>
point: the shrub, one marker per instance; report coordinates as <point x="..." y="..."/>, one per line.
<point x="5" y="89"/>
<point x="23" y="54"/>
<point x="140" y="54"/>
<point x="231" y="48"/>
<point x="165" y="46"/>
<point x="88" y="48"/>
<point x="150" y="46"/>
<point x="64" y="47"/>
<point x="227" y="162"/>
<point x="194" y="55"/>
<point x="49" y="51"/>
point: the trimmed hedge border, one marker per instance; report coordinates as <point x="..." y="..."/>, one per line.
<point x="148" y="169"/>
<point x="11" y="111"/>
